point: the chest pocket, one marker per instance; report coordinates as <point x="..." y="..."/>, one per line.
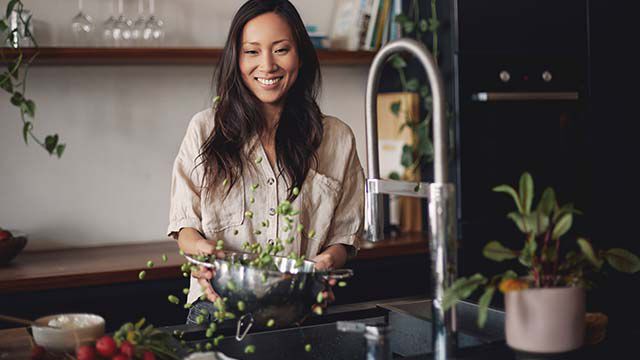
<point x="223" y="211"/>
<point x="320" y="196"/>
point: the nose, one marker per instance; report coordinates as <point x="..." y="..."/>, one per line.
<point x="268" y="63"/>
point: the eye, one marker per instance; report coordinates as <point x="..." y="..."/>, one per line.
<point x="250" y="52"/>
<point x="282" y="51"/>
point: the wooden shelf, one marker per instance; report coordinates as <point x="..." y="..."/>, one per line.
<point x="162" y="56"/>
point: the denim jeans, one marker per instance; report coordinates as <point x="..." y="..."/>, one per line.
<point x="197" y="309"/>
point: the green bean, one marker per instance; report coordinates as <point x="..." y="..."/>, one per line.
<point x="164" y="258"/>
<point x="252" y="200"/>
<point x="254" y="187"/>
<point x="173" y="299"/>
<point x="286" y="228"/>
<point x="271" y="322"/>
<point x="185" y="291"/>
<point x="217" y="339"/>
<point x="317" y="310"/>
<point x="231" y="285"/>
<point x="257" y="232"/>
<point x="203" y="297"/>
<point x="248" y="214"/>
<point x="312" y="233"/>
<point x="209" y="333"/>
<point x="241" y="305"/>
<point x="187" y="306"/>
<point x="235" y="232"/>
<point x="208" y="346"/>
<point x="142" y="274"/>
<point x="204" y="312"/>
<point x="198" y="346"/>
<point x="225" y="182"/>
<point x="307" y="348"/>
<point x="199" y="319"/>
<point x="342" y="283"/>
<point x="319" y="297"/>
<point x="290" y="240"/>
<point x="184" y="274"/>
<point x="149" y="264"/>
<point x="258" y="160"/>
<point x="213" y="326"/>
<point x="296" y="191"/>
<point x="181" y="252"/>
<point x="300" y="228"/>
<point x="263" y="276"/>
<point x="294" y="212"/>
<point x="250" y="349"/>
<point x="185" y="267"/>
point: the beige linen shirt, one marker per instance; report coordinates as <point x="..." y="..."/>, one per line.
<point x="331" y="199"/>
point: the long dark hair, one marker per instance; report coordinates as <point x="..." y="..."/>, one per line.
<point x="238" y="115"/>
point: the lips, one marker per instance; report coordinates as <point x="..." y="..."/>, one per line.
<point x="268" y="83"/>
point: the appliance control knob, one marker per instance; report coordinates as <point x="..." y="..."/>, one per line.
<point x="505" y="76"/>
<point x="546" y="76"/>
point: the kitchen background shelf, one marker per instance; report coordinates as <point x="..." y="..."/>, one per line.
<point x="161" y="56"/>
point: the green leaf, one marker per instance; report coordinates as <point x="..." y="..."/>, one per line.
<point x="3" y="25"/>
<point x="397" y="62"/>
<point x="587" y="250"/>
<point x="17" y="98"/>
<point x="533" y="222"/>
<point x="394" y="175"/>
<point x="6" y="83"/>
<point x="496" y="252"/>
<point x="461" y="289"/>
<point x="60" y="149"/>
<point x="511" y="191"/>
<point x="50" y="143"/>
<point x="483" y="305"/>
<point x="424" y="91"/>
<point x="547" y="202"/>
<point x="25" y="130"/>
<point x="525" y="192"/>
<point x="562" y="226"/>
<point x="14" y="66"/>
<point x="434" y="25"/>
<point x="529" y="251"/>
<point x="407" y="155"/>
<point x="408" y="27"/>
<point x="509" y="274"/>
<point x="10" y="7"/>
<point x="401" y="19"/>
<point x="413" y="84"/>
<point x="622" y="260"/>
<point x="565" y="209"/>
<point x="29" y="107"/>
<point x="424" y="26"/>
<point x="395" y="108"/>
<point x="425" y="145"/>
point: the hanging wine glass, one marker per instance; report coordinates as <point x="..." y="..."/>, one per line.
<point x="122" y="27"/>
<point x="153" y="32"/>
<point x="82" y="26"/>
<point x="108" y="26"/>
<point x="137" y="30"/>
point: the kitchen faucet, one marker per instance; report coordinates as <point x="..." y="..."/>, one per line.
<point x="441" y="194"/>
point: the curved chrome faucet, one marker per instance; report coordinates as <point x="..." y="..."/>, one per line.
<point x="441" y="194"/>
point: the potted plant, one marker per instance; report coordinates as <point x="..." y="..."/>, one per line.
<point x="545" y="301"/>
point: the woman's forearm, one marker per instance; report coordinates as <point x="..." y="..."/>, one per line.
<point x="333" y="257"/>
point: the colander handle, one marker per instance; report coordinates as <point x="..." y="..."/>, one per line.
<point x="338" y="274"/>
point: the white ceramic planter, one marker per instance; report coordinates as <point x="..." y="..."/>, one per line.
<point x="545" y="320"/>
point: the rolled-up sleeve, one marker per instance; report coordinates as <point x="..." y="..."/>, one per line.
<point x="185" y="205"/>
<point x="348" y="218"/>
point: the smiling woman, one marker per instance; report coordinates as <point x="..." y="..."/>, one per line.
<point x="267" y="84"/>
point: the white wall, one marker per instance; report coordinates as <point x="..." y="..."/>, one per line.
<point x="122" y="126"/>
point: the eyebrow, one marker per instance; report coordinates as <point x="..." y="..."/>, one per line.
<point x="273" y="43"/>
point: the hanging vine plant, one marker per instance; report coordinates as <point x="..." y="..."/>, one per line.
<point x="13" y="80"/>
<point x="414" y="25"/>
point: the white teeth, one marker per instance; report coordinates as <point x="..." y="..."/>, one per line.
<point x="269" y="81"/>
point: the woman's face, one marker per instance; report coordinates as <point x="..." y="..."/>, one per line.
<point x="268" y="58"/>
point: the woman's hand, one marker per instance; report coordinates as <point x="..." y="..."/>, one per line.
<point x="192" y="242"/>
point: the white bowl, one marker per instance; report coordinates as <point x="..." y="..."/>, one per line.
<point x="73" y="330"/>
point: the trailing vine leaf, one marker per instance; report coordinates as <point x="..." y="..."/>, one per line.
<point x="525" y="191"/>
<point x="424" y="26"/>
<point x="483" y="305"/>
<point x="10" y="7"/>
<point x="622" y="260"/>
<point x="395" y="108"/>
<point x="51" y="141"/>
<point x="394" y="175"/>
<point x="497" y="252"/>
<point x="3" y="26"/>
<point x="17" y="99"/>
<point x="587" y="251"/>
<point x="562" y="226"/>
<point x="25" y="130"/>
<point x="413" y="84"/>
<point x="397" y="62"/>
<point x="5" y="82"/>
<point x="407" y="155"/>
<point x="461" y="289"/>
<point x="424" y="91"/>
<point x="511" y="191"/>
<point x="60" y="149"/>
<point x="434" y="25"/>
<point x="408" y="27"/>
<point x="29" y="107"/>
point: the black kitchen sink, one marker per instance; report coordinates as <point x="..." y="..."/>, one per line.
<point x="410" y="333"/>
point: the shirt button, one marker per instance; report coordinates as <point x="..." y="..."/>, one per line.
<point x="272" y="211"/>
<point x="270" y="181"/>
<point x="270" y="241"/>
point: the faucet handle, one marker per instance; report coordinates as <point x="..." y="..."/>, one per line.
<point x="400" y="188"/>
